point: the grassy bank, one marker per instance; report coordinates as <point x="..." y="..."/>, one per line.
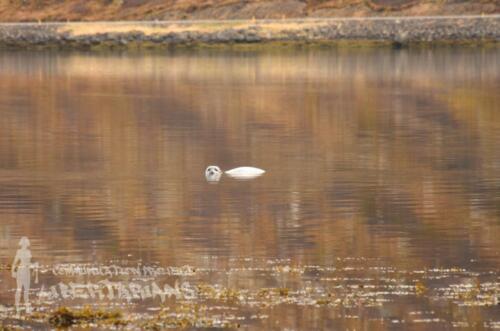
<point x="123" y="10"/>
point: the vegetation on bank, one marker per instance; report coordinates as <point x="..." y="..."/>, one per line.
<point x="95" y="10"/>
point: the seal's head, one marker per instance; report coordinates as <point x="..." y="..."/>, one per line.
<point x="213" y="173"/>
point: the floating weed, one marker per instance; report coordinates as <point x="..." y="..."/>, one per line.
<point x="229" y="294"/>
<point x="38" y="316"/>
<point x="206" y="291"/>
<point x="323" y="302"/>
<point x="6" y="267"/>
<point x="191" y="315"/>
<point x="420" y="288"/>
<point x="65" y="317"/>
<point x="216" y="292"/>
<point x="263" y="293"/>
<point x="288" y="270"/>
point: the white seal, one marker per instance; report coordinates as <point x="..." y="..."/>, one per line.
<point x="213" y="173"/>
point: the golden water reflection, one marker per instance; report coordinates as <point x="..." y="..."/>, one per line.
<point x="379" y="154"/>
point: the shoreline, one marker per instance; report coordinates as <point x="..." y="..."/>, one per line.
<point x="400" y="31"/>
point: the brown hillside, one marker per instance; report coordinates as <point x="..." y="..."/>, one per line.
<point x="92" y="10"/>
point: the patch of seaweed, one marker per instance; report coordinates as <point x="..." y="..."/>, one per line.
<point x="190" y="315"/>
<point x="7" y="267"/>
<point x="65" y="317"/>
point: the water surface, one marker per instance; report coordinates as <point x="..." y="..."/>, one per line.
<point x="376" y="160"/>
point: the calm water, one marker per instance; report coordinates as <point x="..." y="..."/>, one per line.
<point x="379" y="163"/>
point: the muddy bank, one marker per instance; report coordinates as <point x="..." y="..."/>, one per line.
<point x="391" y="30"/>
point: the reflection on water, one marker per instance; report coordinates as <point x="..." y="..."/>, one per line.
<point x="389" y="156"/>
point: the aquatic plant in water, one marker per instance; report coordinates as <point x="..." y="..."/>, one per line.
<point x="65" y="317"/>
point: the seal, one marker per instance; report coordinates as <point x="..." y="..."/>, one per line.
<point x="214" y="173"/>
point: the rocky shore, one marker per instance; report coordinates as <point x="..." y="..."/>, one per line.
<point x="392" y="30"/>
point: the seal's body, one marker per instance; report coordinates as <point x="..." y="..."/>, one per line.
<point x="247" y="172"/>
